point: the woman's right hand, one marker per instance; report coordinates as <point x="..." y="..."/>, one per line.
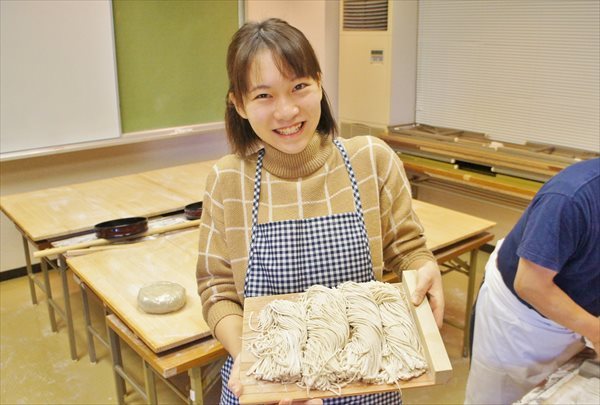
<point x="314" y="401"/>
<point x="235" y="383"/>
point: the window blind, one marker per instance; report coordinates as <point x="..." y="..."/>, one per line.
<point x="516" y="70"/>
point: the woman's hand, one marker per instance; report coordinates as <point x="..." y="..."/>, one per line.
<point x="429" y="282"/>
<point x="235" y="383"/>
<point x="596" y="347"/>
<point x="314" y="401"/>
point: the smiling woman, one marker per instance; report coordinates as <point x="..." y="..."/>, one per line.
<point x="318" y="210"/>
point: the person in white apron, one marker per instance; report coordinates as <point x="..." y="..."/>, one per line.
<point x="541" y="292"/>
<point x="308" y="263"/>
<point x="283" y="212"/>
<point x="503" y="366"/>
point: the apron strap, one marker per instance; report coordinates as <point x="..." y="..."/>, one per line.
<point x="255" y="199"/>
<point x="356" y="194"/>
<point x="353" y="181"/>
<point x="257" y="178"/>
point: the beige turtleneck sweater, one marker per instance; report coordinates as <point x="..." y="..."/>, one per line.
<point x="309" y="184"/>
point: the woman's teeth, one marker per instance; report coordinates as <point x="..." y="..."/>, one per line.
<point x="289" y="130"/>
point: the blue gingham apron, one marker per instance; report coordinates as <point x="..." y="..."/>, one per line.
<point x="291" y="256"/>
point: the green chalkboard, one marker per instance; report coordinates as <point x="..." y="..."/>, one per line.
<point x="171" y="61"/>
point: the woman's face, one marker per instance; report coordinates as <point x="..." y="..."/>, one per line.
<point x="283" y="111"/>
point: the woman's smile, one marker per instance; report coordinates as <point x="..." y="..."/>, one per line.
<point x="291" y="130"/>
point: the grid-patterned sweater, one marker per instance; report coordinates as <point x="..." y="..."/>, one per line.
<point x="309" y="184"/>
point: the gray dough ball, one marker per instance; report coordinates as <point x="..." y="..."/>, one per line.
<point x="161" y="297"/>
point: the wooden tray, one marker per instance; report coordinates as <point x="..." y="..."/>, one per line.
<point x="440" y="369"/>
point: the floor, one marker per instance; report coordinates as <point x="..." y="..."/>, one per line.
<point x="36" y="368"/>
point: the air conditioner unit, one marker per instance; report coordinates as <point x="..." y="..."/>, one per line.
<point x="378" y="62"/>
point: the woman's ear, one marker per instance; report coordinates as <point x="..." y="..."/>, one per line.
<point x="320" y="84"/>
<point x="239" y="107"/>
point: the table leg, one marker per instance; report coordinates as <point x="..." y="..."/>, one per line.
<point x="48" y="291"/>
<point x="69" y="315"/>
<point x="117" y="364"/>
<point x="470" y="294"/>
<point x="150" y="384"/>
<point x="88" y="323"/>
<point x="29" y="271"/>
<point x="196" y="391"/>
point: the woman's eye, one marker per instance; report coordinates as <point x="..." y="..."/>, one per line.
<point x="262" y="95"/>
<point x="300" y="86"/>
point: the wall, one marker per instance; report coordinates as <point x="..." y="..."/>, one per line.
<point x="59" y="82"/>
<point x="519" y="71"/>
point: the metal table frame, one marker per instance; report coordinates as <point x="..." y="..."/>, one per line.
<point x="153" y="367"/>
<point x="53" y="307"/>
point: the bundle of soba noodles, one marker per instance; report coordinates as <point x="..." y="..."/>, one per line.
<point x="332" y="337"/>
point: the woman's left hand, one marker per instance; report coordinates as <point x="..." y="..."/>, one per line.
<point x="429" y="282"/>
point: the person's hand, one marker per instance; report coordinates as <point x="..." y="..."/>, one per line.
<point x="596" y="349"/>
<point x="429" y="282"/>
<point x="593" y="339"/>
<point x="314" y="401"/>
<point x="234" y="383"/>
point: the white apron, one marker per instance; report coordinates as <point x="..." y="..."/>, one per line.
<point x="514" y="347"/>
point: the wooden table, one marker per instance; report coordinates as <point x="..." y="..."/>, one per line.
<point x="61" y="212"/>
<point x="48" y="215"/>
<point x="116" y="274"/>
<point x="168" y="344"/>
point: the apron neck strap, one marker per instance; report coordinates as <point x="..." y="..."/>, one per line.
<point x="256" y="194"/>
<point x="353" y="181"/>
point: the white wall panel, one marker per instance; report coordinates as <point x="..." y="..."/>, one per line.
<point x="516" y="70"/>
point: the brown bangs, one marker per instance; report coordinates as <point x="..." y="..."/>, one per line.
<point x="291" y="52"/>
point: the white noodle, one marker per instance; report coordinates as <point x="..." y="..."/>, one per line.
<point x="327" y="334"/>
<point x="281" y="336"/>
<point x="402" y="358"/>
<point x="332" y="337"/>
<point x="362" y="354"/>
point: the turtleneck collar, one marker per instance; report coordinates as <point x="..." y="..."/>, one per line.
<point x="300" y="164"/>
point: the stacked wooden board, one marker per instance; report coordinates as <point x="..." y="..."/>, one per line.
<point x="531" y="161"/>
<point x="472" y="159"/>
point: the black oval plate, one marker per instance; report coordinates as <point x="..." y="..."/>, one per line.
<point x="193" y="211"/>
<point x="120" y="228"/>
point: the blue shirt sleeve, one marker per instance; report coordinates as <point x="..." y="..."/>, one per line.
<point x="552" y="231"/>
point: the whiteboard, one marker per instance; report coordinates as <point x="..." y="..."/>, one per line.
<point x="57" y="74"/>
